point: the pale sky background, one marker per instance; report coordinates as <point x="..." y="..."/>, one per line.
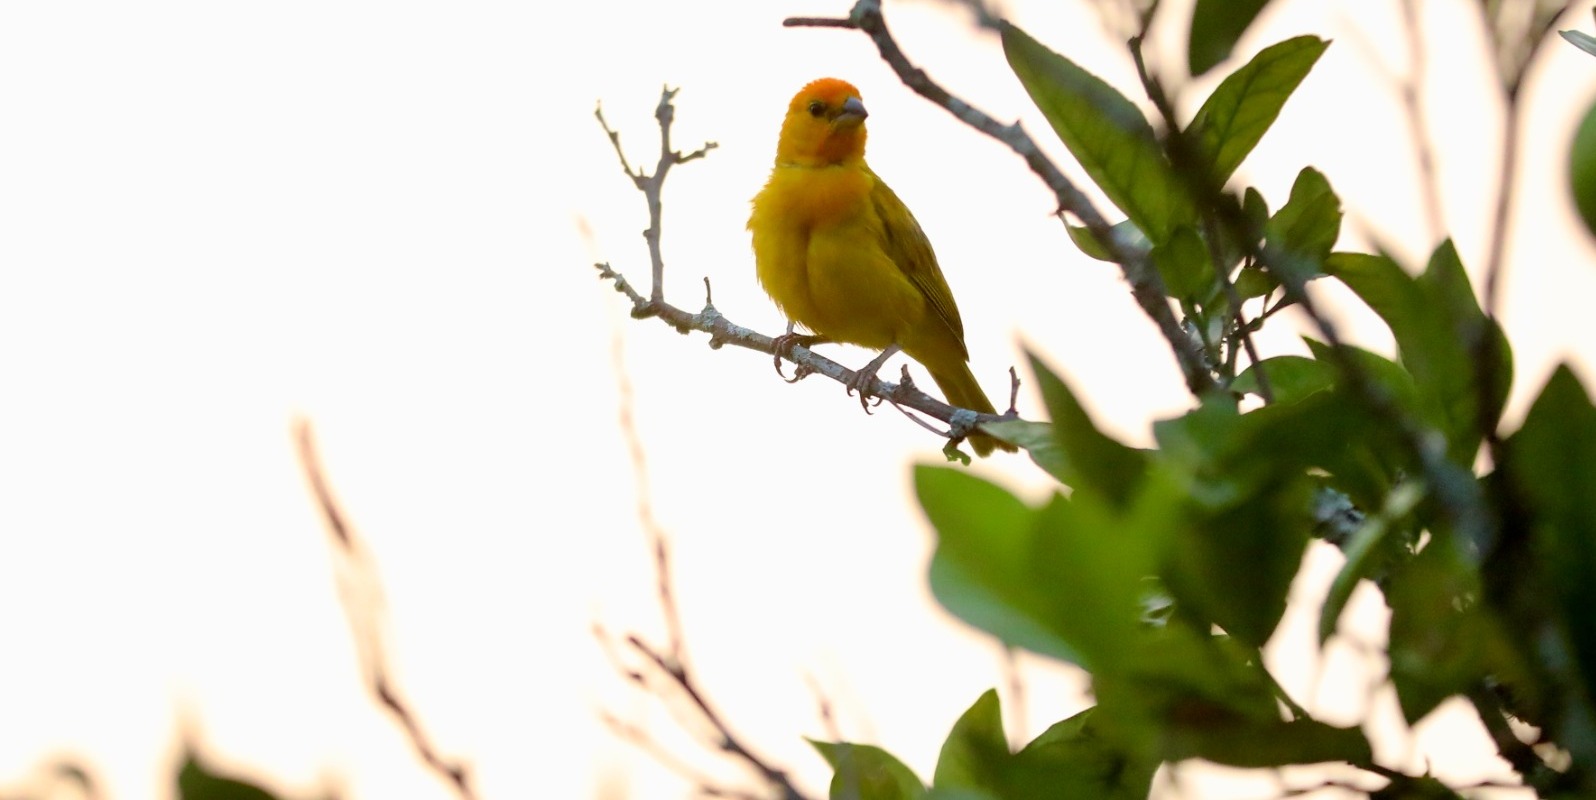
<point x="215" y="218"/>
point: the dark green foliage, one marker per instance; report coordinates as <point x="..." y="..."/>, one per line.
<point x="1215" y="27"/>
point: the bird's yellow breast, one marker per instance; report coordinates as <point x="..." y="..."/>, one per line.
<point x="818" y="250"/>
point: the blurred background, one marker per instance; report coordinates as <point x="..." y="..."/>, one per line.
<point x="382" y="219"/>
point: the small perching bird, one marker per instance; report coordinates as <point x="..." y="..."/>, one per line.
<point x="841" y="255"/>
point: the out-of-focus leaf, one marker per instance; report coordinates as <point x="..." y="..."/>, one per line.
<point x="1301" y="234"/>
<point x="976" y="753"/>
<point x="1185" y="265"/>
<point x="1105" y="132"/>
<point x="1125" y="234"/>
<point x="1366" y="551"/>
<point x="1551" y="461"/>
<point x="1096" y="462"/>
<point x="982" y="569"/>
<point x="1291" y="378"/>
<point x="866" y="772"/>
<point x="1215" y="27"/>
<point x="1582" y="168"/>
<point x="1580" y="39"/>
<point x="1434" y="317"/>
<point x="1070" y="761"/>
<point x="1037" y="440"/>
<point x="197" y="782"/>
<point x="1247" y="102"/>
<point x="1243" y="529"/>
<point x="1438" y="635"/>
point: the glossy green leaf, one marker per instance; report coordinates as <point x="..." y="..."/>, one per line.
<point x="866" y="772"/>
<point x="1105" y="132"/>
<point x="1247" y="102"/>
<point x="1096" y="462"/>
<point x="1215" y="27"/>
<point x="976" y="752"/>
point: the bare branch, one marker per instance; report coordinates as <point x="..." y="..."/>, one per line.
<point x="671" y="665"/>
<point x="357" y="572"/>
<point x="652" y="185"/>
<point x="1146" y="285"/>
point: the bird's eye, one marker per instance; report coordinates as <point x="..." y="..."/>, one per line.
<point x="816" y="108"/>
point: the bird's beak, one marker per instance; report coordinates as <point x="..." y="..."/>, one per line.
<point x="852" y="112"/>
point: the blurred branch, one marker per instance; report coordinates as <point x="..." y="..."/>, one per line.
<point x="360" y="591"/>
<point x="671" y="664"/>
<point x="1146" y="285"/>
<point x="722" y="331"/>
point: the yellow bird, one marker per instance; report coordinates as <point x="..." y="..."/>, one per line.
<point x="841" y="255"/>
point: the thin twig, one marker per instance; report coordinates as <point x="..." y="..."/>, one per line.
<point x="725" y="739"/>
<point x="1146" y="285"/>
<point x="357" y="567"/>
<point x="1184" y="161"/>
<point x="1409" y="87"/>
<point x="652" y="185"/>
<point x="652" y="529"/>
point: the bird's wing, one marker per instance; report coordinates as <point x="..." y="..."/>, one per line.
<point x="909" y="248"/>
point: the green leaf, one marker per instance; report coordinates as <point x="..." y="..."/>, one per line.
<point x="1438" y="635"/>
<point x="195" y="781"/>
<point x="982" y="569"/>
<point x="1037" y="440"/>
<point x="1096" y="462"/>
<point x="1434" y="318"/>
<point x="1071" y="761"/>
<point x="1301" y="234"/>
<point x="1124" y="232"/>
<point x="1291" y="378"/>
<point x="1092" y="565"/>
<point x="1368" y="551"/>
<point x="1105" y="132"/>
<point x="1551" y="461"/>
<point x="1247" y="102"/>
<point x="866" y="772"/>
<point x="1583" y="41"/>
<point x="1185" y="265"/>
<point x="1582" y="168"/>
<point x="976" y="751"/>
<point x="1215" y="27"/>
<point x="1271" y="744"/>
<point x="1247" y="520"/>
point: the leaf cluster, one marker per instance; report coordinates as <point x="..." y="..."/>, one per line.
<point x="1164" y="572"/>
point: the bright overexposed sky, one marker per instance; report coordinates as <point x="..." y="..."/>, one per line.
<point x="382" y="218"/>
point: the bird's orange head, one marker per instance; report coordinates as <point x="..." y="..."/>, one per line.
<point x="824" y="125"/>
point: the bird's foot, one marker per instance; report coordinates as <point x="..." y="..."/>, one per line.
<point x="861" y="379"/>
<point x="783" y="345"/>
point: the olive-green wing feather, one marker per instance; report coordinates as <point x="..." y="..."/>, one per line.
<point x="909" y="248"/>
